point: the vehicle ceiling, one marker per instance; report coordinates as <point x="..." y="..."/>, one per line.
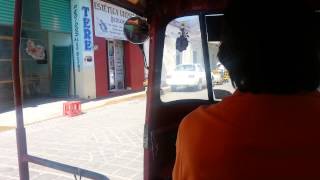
<point x="178" y="7"/>
<point x="173" y="8"/>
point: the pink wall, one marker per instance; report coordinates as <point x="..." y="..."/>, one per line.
<point x="133" y="61"/>
<point x="100" y="56"/>
<point x="134" y="66"/>
<point x="100" y="63"/>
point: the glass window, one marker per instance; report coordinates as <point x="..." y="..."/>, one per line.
<point x="182" y="75"/>
<point x="221" y="82"/>
<point x="35" y="68"/>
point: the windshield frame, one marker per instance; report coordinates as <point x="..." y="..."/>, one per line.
<point x="160" y="51"/>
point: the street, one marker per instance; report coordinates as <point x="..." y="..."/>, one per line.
<point x="106" y="140"/>
<point x="194" y="94"/>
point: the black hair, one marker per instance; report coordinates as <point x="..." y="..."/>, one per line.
<point x="269" y="46"/>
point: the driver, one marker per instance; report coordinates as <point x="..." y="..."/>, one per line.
<point x="270" y="127"/>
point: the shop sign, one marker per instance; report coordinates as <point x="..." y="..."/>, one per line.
<point x="109" y="20"/>
<point x="82" y="33"/>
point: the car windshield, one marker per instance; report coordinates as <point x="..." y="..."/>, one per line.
<point x="185" y="68"/>
<point x="184" y="61"/>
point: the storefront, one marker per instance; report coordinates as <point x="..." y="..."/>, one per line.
<point x="119" y="64"/>
<point x="69" y="48"/>
<point x="115" y="70"/>
<point x="45" y="50"/>
<point x="6" y="83"/>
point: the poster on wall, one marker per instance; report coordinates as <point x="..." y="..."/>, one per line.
<point x="118" y="63"/>
<point x="109" y="20"/>
<point x="37" y="51"/>
<point x="111" y="65"/>
<point x="82" y="33"/>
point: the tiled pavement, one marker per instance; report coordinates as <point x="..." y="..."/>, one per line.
<point x="107" y="140"/>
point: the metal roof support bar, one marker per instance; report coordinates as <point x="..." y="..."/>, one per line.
<point x="20" y="130"/>
<point x="23" y="157"/>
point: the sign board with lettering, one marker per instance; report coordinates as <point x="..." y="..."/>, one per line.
<point x="109" y="20"/>
<point x="82" y="33"/>
<point x="83" y="48"/>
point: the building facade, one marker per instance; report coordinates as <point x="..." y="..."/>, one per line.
<point x="118" y="63"/>
<point x="61" y="55"/>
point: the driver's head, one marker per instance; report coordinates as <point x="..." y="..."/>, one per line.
<point x="269" y="46"/>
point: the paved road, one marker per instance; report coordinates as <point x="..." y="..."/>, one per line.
<point x="193" y="94"/>
<point x="107" y="140"/>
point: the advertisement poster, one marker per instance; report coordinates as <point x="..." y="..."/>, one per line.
<point x="82" y="33"/>
<point x="111" y="67"/>
<point x="109" y="20"/>
<point x="118" y="63"/>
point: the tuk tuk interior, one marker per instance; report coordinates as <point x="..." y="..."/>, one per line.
<point x="162" y="116"/>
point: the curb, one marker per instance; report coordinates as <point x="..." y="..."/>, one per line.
<point x="95" y="104"/>
<point x="115" y="100"/>
<point x="5" y="128"/>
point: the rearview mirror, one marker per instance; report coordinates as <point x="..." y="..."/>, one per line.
<point x="136" y="30"/>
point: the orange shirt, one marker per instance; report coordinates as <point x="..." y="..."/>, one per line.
<point x="246" y="136"/>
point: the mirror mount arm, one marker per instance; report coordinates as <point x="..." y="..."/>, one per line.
<point x="144" y="56"/>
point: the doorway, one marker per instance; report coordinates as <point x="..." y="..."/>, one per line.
<point x="61" y="66"/>
<point x="115" y="65"/>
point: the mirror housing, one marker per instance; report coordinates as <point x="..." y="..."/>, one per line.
<point x="136" y="30"/>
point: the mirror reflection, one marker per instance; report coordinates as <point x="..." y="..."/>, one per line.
<point x="136" y="30"/>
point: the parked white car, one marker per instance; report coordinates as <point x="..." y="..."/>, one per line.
<point x="187" y="75"/>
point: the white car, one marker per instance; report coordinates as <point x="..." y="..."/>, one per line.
<point x="187" y="75"/>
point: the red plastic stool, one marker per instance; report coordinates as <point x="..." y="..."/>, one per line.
<point x="72" y="108"/>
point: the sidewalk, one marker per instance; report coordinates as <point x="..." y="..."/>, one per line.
<point x="53" y="109"/>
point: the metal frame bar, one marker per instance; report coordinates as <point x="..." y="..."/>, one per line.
<point x="205" y="48"/>
<point x="23" y="157"/>
<point x="20" y="130"/>
<point x="65" y="168"/>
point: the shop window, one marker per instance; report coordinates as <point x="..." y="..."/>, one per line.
<point x="221" y="82"/>
<point x="35" y="65"/>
